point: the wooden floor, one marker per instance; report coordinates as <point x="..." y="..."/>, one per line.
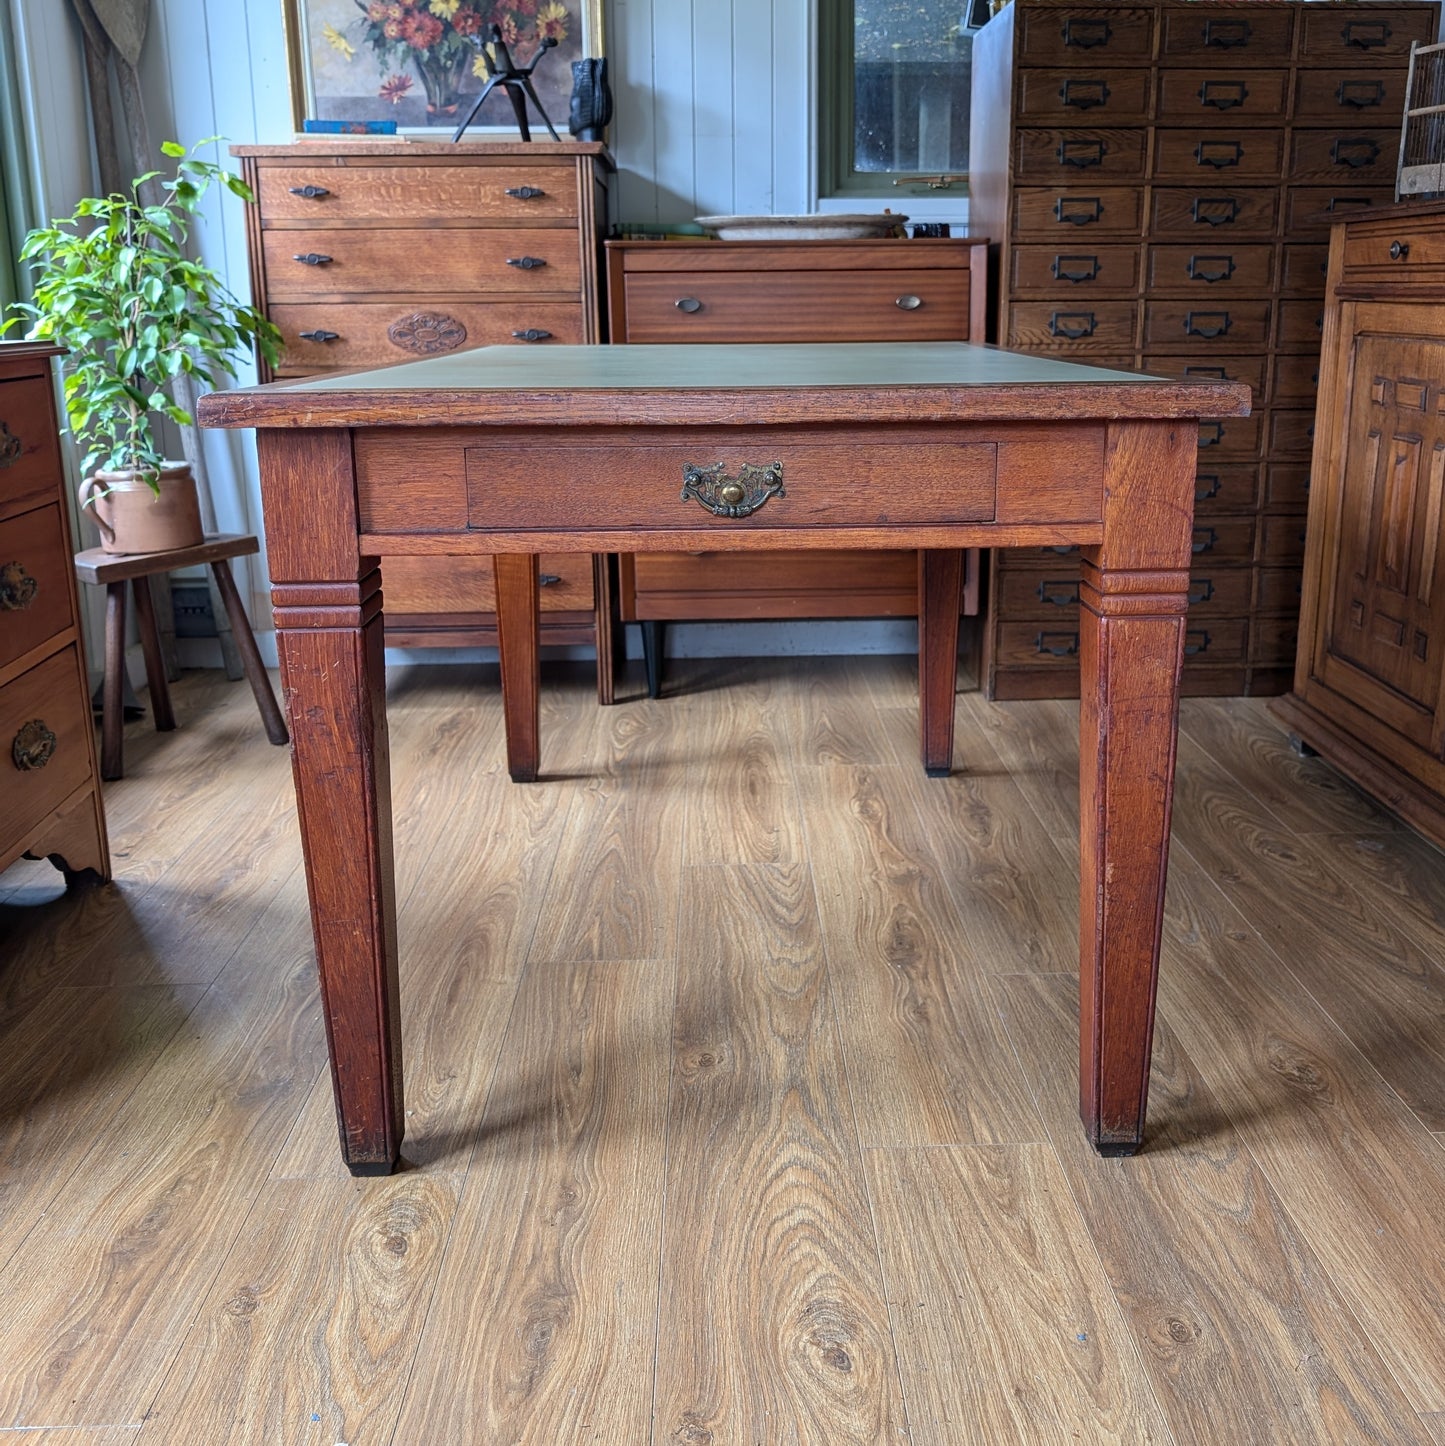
<point x="740" y="1095"/>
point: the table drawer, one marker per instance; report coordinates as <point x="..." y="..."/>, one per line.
<point x="467" y="585"/>
<point x="417" y="193"/>
<point x="1350" y="96"/>
<point x="1247" y="369"/>
<point x="1187" y="154"/>
<point x="1348" y="156"/>
<point x="45" y="724"/>
<point x="1300" y="326"/>
<point x="35" y="565"/>
<point x="1082" y="272"/>
<point x="1072" y="326"/>
<point x="1221" y="92"/>
<point x="1204" y="270"/>
<point x="1205" y="325"/>
<point x="1253" y="35"/>
<point x="1084" y="35"/>
<point x="29" y="453"/>
<point x="1091" y="95"/>
<point x="351" y="335"/>
<point x="796" y="306"/>
<point x="1356" y="35"/>
<point x="1213" y="211"/>
<point x="1303" y="268"/>
<point x="1047" y="214"/>
<point x="1058" y="155"/>
<point x="359" y="261"/>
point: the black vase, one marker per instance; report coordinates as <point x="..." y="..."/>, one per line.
<point x="591" y="99"/>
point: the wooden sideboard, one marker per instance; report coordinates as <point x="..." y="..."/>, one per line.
<point x="1159" y="179"/>
<point x="1369" y="686"/>
<point x="794" y="291"/>
<point x="366" y="253"/>
<point x="52" y="805"/>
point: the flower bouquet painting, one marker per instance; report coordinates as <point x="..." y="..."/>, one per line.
<point x="422" y="63"/>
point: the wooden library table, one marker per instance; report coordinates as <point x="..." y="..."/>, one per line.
<point x="514" y="452"/>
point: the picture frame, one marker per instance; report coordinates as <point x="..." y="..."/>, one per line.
<point x="414" y="61"/>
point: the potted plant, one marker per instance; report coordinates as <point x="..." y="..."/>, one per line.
<point x="114" y="286"/>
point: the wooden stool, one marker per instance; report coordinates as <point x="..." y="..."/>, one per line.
<point x="115" y="569"/>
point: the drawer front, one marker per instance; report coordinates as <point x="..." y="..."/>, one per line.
<point x="1054" y="594"/>
<point x="1273" y="641"/>
<point x="1292" y="432"/>
<point x="348" y="335"/>
<point x="1069" y="325"/>
<point x="1229" y="439"/>
<point x="1350" y="97"/>
<point x="1047" y="214"/>
<point x="1205" y="325"/>
<point x="1067" y="272"/>
<point x="1300" y="326"/>
<point x="1248" y="369"/>
<point x="29" y="452"/>
<point x="1400" y="251"/>
<point x="1222" y="540"/>
<point x="1282" y="539"/>
<point x="1039" y="644"/>
<point x="1222" y="92"/>
<point x="1213" y="211"/>
<point x="1223" y="486"/>
<point x="417" y="193"/>
<point x="1312" y="210"/>
<point x="35" y="566"/>
<point x="1278" y="590"/>
<point x="1253" y="35"/>
<point x="1296" y="379"/>
<point x="1346" y="156"/>
<point x="467" y="584"/>
<point x="358" y="261"/>
<point x="1085" y="35"/>
<point x="44" y="717"/>
<point x="1302" y="268"/>
<point x="1354" y="35"/>
<point x="1287" y="486"/>
<point x="794" y="306"/>
<point x="1059" y="155"/>
<point x="1195" y="152"/>
<point x="1088" y="95"/>
<point x="1204" y="270"/>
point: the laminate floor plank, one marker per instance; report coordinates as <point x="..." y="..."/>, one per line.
<point x="838" y="720"/>
<point x="81" y="1436"/>
<point x="1239" y="1324"/>
<point x="309" y="1331"/>
<point x="928" y="1061"/>
<point x="1006" y="1328"/>
<point x="546" y="1328"/>
<point x="1406" y="870"/>
<point x="773" y="1324"/>
<point x="1435" y="1424"/>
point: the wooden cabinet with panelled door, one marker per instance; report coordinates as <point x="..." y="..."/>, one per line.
<point x="1369" y="685"/>
<point x="794" y="291"/>
<point x="367" y="253"/>
<point x="1159" y="178"/>
<point x="51" y="789"/>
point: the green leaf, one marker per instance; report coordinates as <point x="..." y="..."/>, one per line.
<point x="172" y="148"/>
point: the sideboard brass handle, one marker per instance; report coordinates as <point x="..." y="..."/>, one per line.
<point x="17" y="588"/>
<point x="312" y="193"/>
<point x="908" y="302"/>
<point x="726" y="496"/>
<point x="10" y="447"/>
<point x="526" y="193"/>
<point x="32" y="746"/>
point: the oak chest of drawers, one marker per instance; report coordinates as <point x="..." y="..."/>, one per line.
<point x="51" y="789"/>
<point x="1160" y="180"/>
<point x="793" y="291"/>
<point x="369" y="253"/>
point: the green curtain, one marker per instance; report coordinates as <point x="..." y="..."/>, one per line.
<point x="17" y="201"/>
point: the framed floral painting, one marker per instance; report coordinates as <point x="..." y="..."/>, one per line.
<point x="421" y="63"/>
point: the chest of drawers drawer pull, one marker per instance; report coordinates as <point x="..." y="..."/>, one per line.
<point x="1366" y="34"/>
<point x="33" y="746"/>
<point x="725" y="496"/>
<point x="1082" y="154"/>
<point x="1227" y="34"/>
<point x="1219" y="154"/>
<point x="526" y="193"/>
<point x="1084" y="94"/>
<point x="1210" y="269"/>
<point x="1206" y="324"/>
<point x="1206" y="485"/>
<point x="533" y="333"/>
<point x="1215" y="210"/>
<point x="1399" y="250"/>
<point x="1203" y="540"/>
<point x="1057" y="645"/>
<point x="1211" y="434"/>
<point x="17" y="588"/>
<point x="319" y="335"/>
<point x="1059" y="594"/>
<point x="1082" y="34"/>
<point x="1355" y="152"/>
<point x="1223" y="94"/>
<point x="908" y="302"/>
<point x="1361" y="94"/>
<point x="312" y="258"/>
<point x="1076" y="268"/>
<point x="1079" y="210"/>
<point x="311" y="193"/>
<point x="689" y="304"/>
<point x="1072" y="324"/>
<point x="527" y="263"/>
<point x="1196" y="641"/>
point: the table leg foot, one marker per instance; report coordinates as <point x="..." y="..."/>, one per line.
<point x="365" y="1168"/>
<point x="1117" y="1149"/>
<point x="944" y="772"/>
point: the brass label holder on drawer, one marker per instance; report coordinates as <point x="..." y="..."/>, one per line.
<point x="738" y="496"/>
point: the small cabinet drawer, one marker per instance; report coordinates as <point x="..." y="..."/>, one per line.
<point x="29" y="453"/>
<point x="1356" y="34"/>
<point x="1086" y="210"/>
<point x="1068" y="325"/>
<point x="1086" y="270"/>
<point x="1193" y="212"/>
<point x="1278" y="590"/>
<point x="1229" y="439"/>
<point x="1046" y="642"/>
<point x="44" y="740"/>
<point x="1282" y="539"/>
<point x="1350" y="96"/>
<point x="468" y="584"/>
<point x="1223" y="486"/>
<point x="1221" y="540"/>
<point x="1058" y="155"/>
<point x="1247" y="35"/>
<point x="1312" y="210"/>
<point x="1398" y="250"/>
<point x="1205" y="270"/>
<point x="303" y="264"/>
<point x="1273" y="641"/>
<point x="1205" y="325"/>
<point x="1300" y="326"/>
<point x="796" y="306"/>
<point x="1291" y="432"/>
<point x="417" y="193"/>
<point x="35" y="566"/>
<point x="347" y="335"/>
<point x="1187" y="153"/>
<point x="1082" y="96"/>
<point x="1247" y="369"/>
<point x="1287" y="486"/>
<point x="1296" y="378"/>
<point x="1085" y="35"/>
<point x="1344" y="155"/>
<point x="1303" y="268"/>
<point x="1052" y="595"/>
<point x="1219" y="91"/>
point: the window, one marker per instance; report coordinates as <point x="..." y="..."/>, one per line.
<point x="894" y="95"/>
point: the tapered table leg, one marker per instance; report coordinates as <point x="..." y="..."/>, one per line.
<point x="940" y="595"/>
<point x="112" y="713"/>
<point x="1133" y="595"/>
<point x="518" y="641"/>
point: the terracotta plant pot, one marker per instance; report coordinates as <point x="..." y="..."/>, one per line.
<point x="132" y="518"/>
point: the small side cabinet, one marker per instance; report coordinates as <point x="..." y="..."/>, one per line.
<point x="1369" y="685"/>
<point x="50" y="786"/>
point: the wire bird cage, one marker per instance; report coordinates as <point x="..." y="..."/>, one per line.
<point x="1421" y="173"/>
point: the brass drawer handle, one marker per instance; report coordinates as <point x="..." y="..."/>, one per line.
<point x="1084" y="94"/>
<point x="526" y="193"/>
<point x="1361" y="94"/>
<point x="33" y="746"/>
<point x="311" y="193"/>
<point x="532" y="333"/>
<point x="1399" y="250"/>
<point x="17" y="588"/>
<point x="1081" y="34"/>
<point x="319" y="335"/>
<point x="10" y="447"/>
<point x="1076" y="268"/>
<point x="1200" y="645"/>
<point x="526" y="263"/>
<point x="312" y="258"/>
<point x="1057" y="645"/>
<point x="689" y="304"/>
<point x="1201" y="589"/>
<point x="1366" y="34"/>
<point x="1219" y="154"/>
<point x="1058" y="594"/>
<point x="1206" y="485"/>
<point x="1356" y="152"/>
<point x="1215" y="210"/>
<point x="1082" y="154"/>
<point x="726" y="496"/>
<point x="908" y="302"/>
<point x="1078" y="210"/>
<point x="1211" y="268"/>
<point x="1203" y="540"/>
<point x="1073" y="325"/>
<point x="1206" y="324"/>
<point x="1223" y="94"/>
<point x="1226" y="34"/>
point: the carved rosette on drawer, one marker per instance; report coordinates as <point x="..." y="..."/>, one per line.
<point x="426" y="333"/>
